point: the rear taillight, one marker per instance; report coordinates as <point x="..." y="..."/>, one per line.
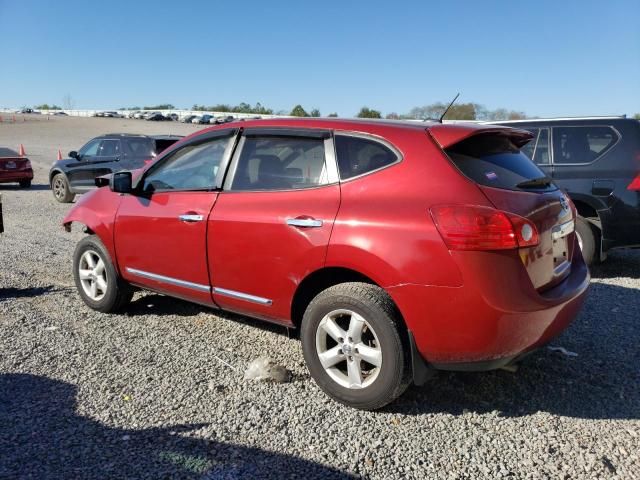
<point x="473" y="227"/>
<point x="634" y="186"/>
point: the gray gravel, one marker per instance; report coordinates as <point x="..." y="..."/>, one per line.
<point x="148" y="394"/>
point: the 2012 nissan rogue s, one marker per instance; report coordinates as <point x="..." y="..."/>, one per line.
<point x="395" y="247"/>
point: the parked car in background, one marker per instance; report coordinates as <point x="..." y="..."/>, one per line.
<point x="196" y="119"/>
<point x="204" y="119"/>
<point x="133" y="113"/>
<point x="15" y="168"/>
<point x="112" y="114"/>
<point x="187" y="118"/>
<point x="61" y="114"/>
<point x="157" y="117"/>
<point x="139" y="115"/>
<point x="100" y="156"/>
<point x="150" y="114"/>
<point x="172" y="116"/>
<point x="597" y="161"/>
<point x="395" y="247"/>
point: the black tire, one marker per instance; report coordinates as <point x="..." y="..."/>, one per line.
<point x="118" y="292"/>
<point x="376" y="307"/>
<point x="590" y="239"/>
<point x="60" y="189"/>
<point x="25" y="184"/>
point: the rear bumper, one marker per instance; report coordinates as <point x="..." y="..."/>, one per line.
<point x="491" y="320"/>
<point x="16" y="176"/>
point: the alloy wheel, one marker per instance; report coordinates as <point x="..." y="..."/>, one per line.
<point x="93" y="275"/>
<point x="348" y="349"/>
<point x="58" y="187"/>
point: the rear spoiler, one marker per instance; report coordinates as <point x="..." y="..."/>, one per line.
<point x="449" y="134"/>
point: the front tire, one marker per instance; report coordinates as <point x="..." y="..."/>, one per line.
<point x="352" y="344"/>
<point x="96" y="279"/>
<point x="588" y="240"/>
<point x="61" y="190"/>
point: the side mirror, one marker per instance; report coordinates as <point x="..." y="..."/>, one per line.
<point x="121" y="182"/>
<point x="74" y="154"/>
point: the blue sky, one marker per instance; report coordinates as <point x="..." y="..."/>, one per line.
<point x="546" y="58"/>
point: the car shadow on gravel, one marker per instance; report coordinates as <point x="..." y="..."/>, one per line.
<point x="597" y="377"/>
<point x="44" y="437"/>
<point x="155" y="304"/>
<point x="16" y="187"/>
<point x="12" y="293"/>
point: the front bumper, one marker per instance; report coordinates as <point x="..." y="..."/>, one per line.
<point x="490" y="321"/>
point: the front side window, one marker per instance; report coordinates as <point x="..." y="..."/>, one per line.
<point x="357" y="155"/>
<point x="280" y="163"/>
<point x="581" y="144"/>
<point x="139" y="147"/>
<point x="90" y="149"/>
<point x="192" y="167"/>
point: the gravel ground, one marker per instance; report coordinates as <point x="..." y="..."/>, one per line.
<point x="149" y="394"/>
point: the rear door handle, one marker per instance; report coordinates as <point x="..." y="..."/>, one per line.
<point x="304" y="222"/>
<point x="190" y="218"/>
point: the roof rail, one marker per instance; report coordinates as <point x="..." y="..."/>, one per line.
<point x="526" y="120"/>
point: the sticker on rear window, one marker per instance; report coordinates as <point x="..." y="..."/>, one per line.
<point x="491" y="175"/>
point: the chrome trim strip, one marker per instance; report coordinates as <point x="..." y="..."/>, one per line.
<point x="170" y="280"/>
<point x="242" y="296"/>
<point x="304" y="222"/>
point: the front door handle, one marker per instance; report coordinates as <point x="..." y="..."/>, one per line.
<point x="304" y="222"/>
<point x="190" y="217"/>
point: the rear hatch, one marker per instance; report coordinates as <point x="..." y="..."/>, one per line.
<point x="514" y="184"/>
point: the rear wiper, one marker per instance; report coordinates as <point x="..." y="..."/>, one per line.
<point x="535" y="183"/>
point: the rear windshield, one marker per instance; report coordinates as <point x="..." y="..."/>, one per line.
<point x="495" y="161"/>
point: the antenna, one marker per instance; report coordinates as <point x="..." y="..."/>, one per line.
<point x="447" y="109"/>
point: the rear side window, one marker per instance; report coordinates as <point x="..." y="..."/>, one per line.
<point x="581" y="144"/>
<point x="139" y="147"/>
<point x="280" y="163"/>
<point x="357" y="155"/>
<point x="538" y="148"/>
<point x="495" y="161"/>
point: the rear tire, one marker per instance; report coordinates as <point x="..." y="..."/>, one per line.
<point x="61" y="190"/>
<point x="96" y="279"/>
<point x="25" y="184"/>
<point x="357" y="330"/>
<point x="588" y="239"/>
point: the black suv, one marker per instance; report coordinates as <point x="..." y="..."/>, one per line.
<point x="596" y="160"/>
<point x="100" y="156"/>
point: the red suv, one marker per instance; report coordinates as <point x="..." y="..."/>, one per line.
<point x="395" y="247"/>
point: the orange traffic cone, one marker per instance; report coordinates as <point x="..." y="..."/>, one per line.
<point x="59" y="155"/>
<point x="21" y="151"/>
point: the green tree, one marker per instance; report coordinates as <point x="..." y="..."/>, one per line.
<point x="298" y="111"/>
<point x="46" y="106"/>
<point x="162" y="106"/>
<point x="637" y="116"/>
<point x="392" y="116"/>
<point x="366" y="112"/>
<point x="315" y="113"/>
<point x="333" y="115"/>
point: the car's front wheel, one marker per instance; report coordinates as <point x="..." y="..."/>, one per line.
<point x="61" y="190"/>
<point x="351" y="340"/>
<point x="96" y="279"/>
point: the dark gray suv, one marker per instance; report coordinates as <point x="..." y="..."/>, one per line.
<point x="101" y="156"/>
<point x="596" y="160"/>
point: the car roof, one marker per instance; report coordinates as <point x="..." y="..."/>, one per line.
<point x="446" y="134"/>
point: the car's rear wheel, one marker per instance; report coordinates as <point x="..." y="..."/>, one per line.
<point x="61" y="190"/>
<point x="588" y="239"/>
<point x="25" y="184"/>
<point x="96" y="279"/>
<point x="352" y="344"/>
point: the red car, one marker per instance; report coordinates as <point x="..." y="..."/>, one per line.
<point x="395" y="247"/>
<point x="15" y="168"/>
